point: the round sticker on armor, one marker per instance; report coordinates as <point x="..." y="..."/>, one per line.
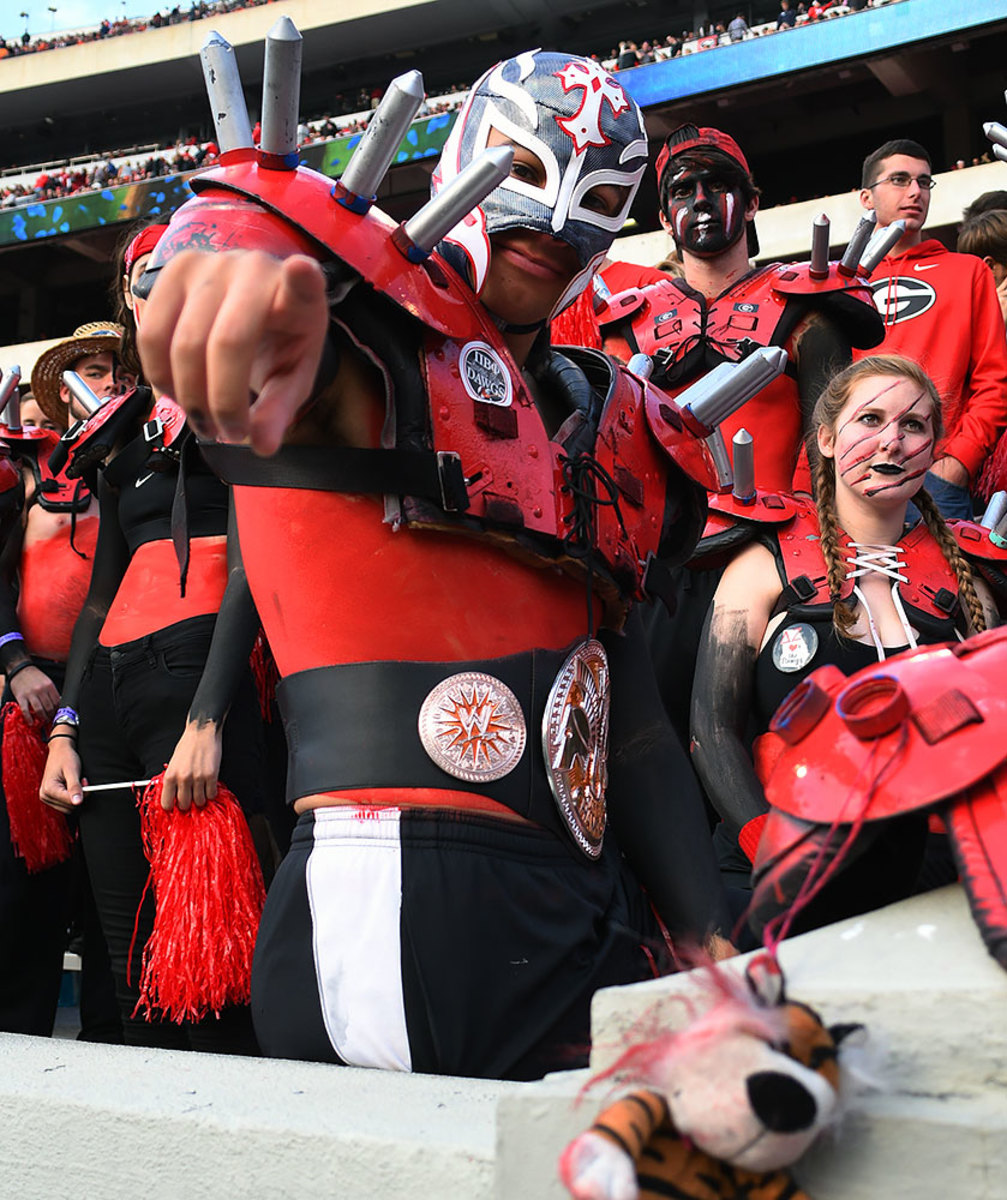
<point x="484" y="375"/>
<point x="473" y="728"/>
<point x="795" y="647"/>
<point x="575" y="744"/>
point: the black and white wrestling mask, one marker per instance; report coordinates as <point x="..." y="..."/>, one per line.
<point x="584" y="129"/>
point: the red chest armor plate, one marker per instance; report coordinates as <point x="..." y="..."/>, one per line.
<point x="931" y="587"/>
<point x="53" y="491"/>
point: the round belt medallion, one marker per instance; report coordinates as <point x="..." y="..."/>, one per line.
<point x="795" y="646"/>
<point x="473" y="728"/>
<point x="575" y="743"/>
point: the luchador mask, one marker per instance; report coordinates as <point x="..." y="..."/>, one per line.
<point x="585" y="131"/>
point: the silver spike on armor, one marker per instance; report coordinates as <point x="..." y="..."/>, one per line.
<point x="879" y="245"/>
<point x="996" y="133"/>
<point x="418" y="236"/>
<point x="379" y="145"/>
<point x="820" y="247"/>
<point x="727" y="387"/>
<point x="641" y="365"/>
<point x="281" y="91"/>
<point x="10" y="400"/>
<point x="721" y="460"/>
<point x="223" y="88"/>
<point x="743" y="454"/>
<point x="81" y="392"/>
<point x="854" y="251"/>
<point x="996" y="511"/>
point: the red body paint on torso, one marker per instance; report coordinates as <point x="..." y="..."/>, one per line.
<point x="333" y="584"/>
<point x="148" y="597"/>
<point x="54" y="582"/>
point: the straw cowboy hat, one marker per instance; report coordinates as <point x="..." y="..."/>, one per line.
<point x="95" y="337"/>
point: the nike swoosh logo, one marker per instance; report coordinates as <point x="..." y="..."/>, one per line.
<point x="144" y="478"/>
<point x="925" y="266"/>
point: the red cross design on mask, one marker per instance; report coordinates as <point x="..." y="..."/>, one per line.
<point x="584" y="127"/>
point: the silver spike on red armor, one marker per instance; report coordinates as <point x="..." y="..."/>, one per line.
<point x="358" y="188"/>
<point x="879" y="246"/>
<point x="641" y="365"/>
<point x="81" y="392"/>
<point x="743" y="455"/>
<point x="995" y="519"/>
<point x="721" y="459"/>
<point x="223" y="88"/>
<point x="281" y="96"/>
<point x="416" y="237"/>
<point x="854" y="251"/>
<point x="728" y="386"/>
<point x="819" y="268"/>
<point x="10" y="400"/>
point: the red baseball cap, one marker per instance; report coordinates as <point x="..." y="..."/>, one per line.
<point x="688" y="137"/>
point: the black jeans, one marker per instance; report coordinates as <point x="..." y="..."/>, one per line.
<point x="134" y="703"/>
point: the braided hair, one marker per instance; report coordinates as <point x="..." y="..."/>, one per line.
<point x="823" y="470"/>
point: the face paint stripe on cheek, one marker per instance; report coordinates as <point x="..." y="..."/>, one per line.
<point x="925" y="449"/>
<point x="680" y="218"/>
<point x="867" y="404"/>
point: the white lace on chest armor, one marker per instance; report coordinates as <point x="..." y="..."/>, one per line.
<point x="871" y="559"/>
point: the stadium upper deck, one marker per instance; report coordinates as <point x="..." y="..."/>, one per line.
<point x="807" y="104"/>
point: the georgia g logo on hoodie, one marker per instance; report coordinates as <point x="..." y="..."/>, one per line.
<point x="902" y="297"/>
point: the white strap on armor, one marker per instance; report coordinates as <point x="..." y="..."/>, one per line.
<point x="879" y="560"/>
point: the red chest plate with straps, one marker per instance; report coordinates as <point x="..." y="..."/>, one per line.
<point x="480" y="410"/>
<point x="668" y="319"/>
<point x="930" y="587"/>
<point x="54" y="492"/>
<point x="516" y="476"/>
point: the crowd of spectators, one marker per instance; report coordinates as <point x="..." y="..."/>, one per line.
<point x="26" y="44"/>
<point x="349" y="112"/>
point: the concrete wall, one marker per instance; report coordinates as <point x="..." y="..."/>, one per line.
<point x="85" y="1122"/>
<point x="785" y="231"/>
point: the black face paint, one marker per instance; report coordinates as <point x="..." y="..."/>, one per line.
<point x="706" y="212"/>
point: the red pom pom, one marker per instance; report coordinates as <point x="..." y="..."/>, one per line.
<point x="39" y="834"/>
<point x="208" y="897"/>
<point x="265" y="674"/>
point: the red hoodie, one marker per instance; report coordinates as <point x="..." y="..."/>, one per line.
<point x="941" y="310"/>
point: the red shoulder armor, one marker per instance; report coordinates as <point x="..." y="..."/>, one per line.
<point x="975" y="542"/>
<point x="795" y="279"/>
<point x="848" y="300"/>
<point x="34" y="447"/>
<point x="731" y="524"/>
<point x="104" y="428"/>
<point x="304" y="199"/>
<point x="690" y="452"/>
<point x="29" y="439"/>
<point x="894" y="737"/>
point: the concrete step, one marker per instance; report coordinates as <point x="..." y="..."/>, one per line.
<point x="84" y="1121"/>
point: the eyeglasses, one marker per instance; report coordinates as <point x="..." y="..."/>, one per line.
<point x="902" y="179"/>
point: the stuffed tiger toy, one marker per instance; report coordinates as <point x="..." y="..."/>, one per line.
<point x="727" y="1104"/>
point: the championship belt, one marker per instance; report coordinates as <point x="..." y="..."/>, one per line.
<point x="575" y="743"/>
